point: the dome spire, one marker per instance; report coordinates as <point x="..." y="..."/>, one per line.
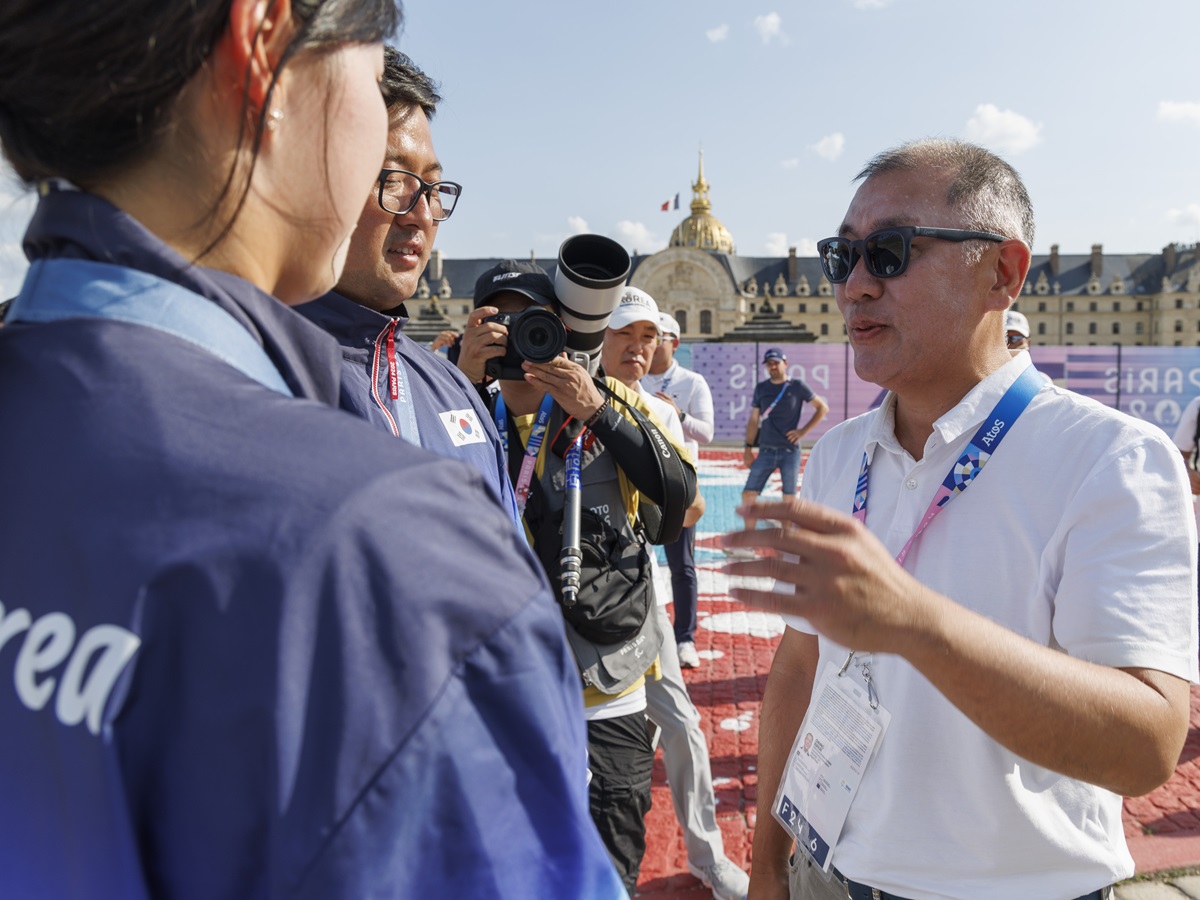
<point x="702" y="230"/>
<point x="700" y="202"/>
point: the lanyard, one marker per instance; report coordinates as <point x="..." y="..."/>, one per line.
<point x="987" y="439"/>
<point x="536" y="436"/>
<point x="405" y="425"/>
<point x="994" y="429"/>
<point x="778" y="397"/>
<point x="500" y="415"/>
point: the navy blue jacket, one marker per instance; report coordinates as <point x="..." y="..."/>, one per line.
<point x="243" y="650"/>
<point x="450" y="415"/>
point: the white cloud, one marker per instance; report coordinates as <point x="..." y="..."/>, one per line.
<point x="1187" y="113"/>
<point x="1002" y="129"/>
<point x="718" y="34"/>
<point x="830" y="147"/>
<point x="871" y="4"/>
<point x="636" y="236"/>
<point x="806" y="247"/>
<point x="777" y="244"/>
<point x="792" y="163"/>
<point x="578" y="225"/>
<point x="770" y="26"/>
<point x="1189" y="215"/>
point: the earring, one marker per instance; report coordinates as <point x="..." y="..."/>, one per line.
<point x="274" y="117"/>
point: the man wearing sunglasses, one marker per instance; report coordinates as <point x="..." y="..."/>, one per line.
<point x="387" y="378"/>
<point x="989" y="658"/>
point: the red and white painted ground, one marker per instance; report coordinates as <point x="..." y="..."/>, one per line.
<point x="737" y="645"/>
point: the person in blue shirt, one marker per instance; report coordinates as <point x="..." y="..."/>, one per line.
<point x="387" y="378"/>
<point x="774" y="428"/>
<point x="223" y="676"/>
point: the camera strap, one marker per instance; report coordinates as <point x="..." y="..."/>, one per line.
<point x="665" y="523"/>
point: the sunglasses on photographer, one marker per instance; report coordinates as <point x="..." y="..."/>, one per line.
<point x="886" y="251"/>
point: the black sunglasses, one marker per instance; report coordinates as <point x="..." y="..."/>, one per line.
<point x="885" y="251"/>
<point x="1015" y="338"/>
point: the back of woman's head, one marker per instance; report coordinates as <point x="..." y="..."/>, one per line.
<point x="88" y="88"/>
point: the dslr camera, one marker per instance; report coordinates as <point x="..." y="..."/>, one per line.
<point x="536" y="334"/>
<point x="592" y="270"/>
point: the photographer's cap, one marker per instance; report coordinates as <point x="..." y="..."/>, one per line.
<point x="774" y="353"/>
<point x="635" y="306"/>
<point x="1015" y="321"/>
<point x="667" y="325"/>
<point x="525" y="278"/>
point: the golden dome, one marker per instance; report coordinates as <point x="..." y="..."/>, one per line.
<point x="702" y="229"/>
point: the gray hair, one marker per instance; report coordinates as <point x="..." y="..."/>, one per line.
<point x="985" y="189"/>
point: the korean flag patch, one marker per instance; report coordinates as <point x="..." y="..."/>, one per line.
<point x="463" y="426"/>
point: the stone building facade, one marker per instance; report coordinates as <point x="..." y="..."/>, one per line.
<point x="1138" y="299"/>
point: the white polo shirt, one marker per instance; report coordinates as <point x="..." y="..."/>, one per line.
<point x="1078" y="534"/>
<point x="691" y="394"/>
<point x="667" y="416"/>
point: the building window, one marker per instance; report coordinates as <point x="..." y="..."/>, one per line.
<point x="681" y="318"/>
<point x="824" y="328"/>
<point x="1139" y="306"/>
<point x="1070" y="328"/>
<point x="466" y="310"/>
<point x="1178" y="325"/>
<point x="1116" y="327"/>
<point x="1116" y="306"/>
<point x="1092" y="306"/>
<point x="1091" y="327"/>
<point x="1179" y="303"/>
<point x="1041" y="327"/>
<point x="1139" y="328"/>
<point x="705" y="321"/>
<point x="824" y="307"/>
<point x="803" y="307"/>
<point x="1070" y="306"/>
<point x="1041" y="306"/>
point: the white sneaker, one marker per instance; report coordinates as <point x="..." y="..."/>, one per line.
<point x="727" y="881"/>
<point x="688" y="657"/>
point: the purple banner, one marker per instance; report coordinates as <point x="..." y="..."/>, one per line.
<point x="1151" y="383"/>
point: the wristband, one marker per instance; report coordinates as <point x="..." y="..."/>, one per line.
<point x="595" y="417"/>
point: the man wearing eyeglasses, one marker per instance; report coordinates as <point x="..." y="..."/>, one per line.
<point x="387" y="378"/>
<point x="990" y="581"/>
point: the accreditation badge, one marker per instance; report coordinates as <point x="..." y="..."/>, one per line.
<point x="463" y="426"/>
<point x="837" y="741"/>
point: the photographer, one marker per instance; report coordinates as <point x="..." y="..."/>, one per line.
<point x="540" y="410"/>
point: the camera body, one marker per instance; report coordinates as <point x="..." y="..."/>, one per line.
<point x="536" y="334"/>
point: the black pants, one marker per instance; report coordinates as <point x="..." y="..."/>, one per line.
<point x="681" y="557"/>
<point x="621" y="758"/>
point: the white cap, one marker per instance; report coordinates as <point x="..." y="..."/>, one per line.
<point x="635" y="306"/>
<point x="667" y="325"/>
<point x="1015" y="321"/>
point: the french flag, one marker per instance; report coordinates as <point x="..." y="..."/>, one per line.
<point x="668" y="204"/>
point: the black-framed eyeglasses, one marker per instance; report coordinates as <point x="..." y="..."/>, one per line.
<point x="399" y="191"/>
<point x="885" y="251"/>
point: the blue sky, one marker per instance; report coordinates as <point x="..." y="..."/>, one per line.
<point x="562" y="117"/>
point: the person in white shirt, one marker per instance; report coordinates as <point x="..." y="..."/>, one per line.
<point x="1030" y="632"/>
<point x="688" y="395"/>
<point x="629" y="344"/>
